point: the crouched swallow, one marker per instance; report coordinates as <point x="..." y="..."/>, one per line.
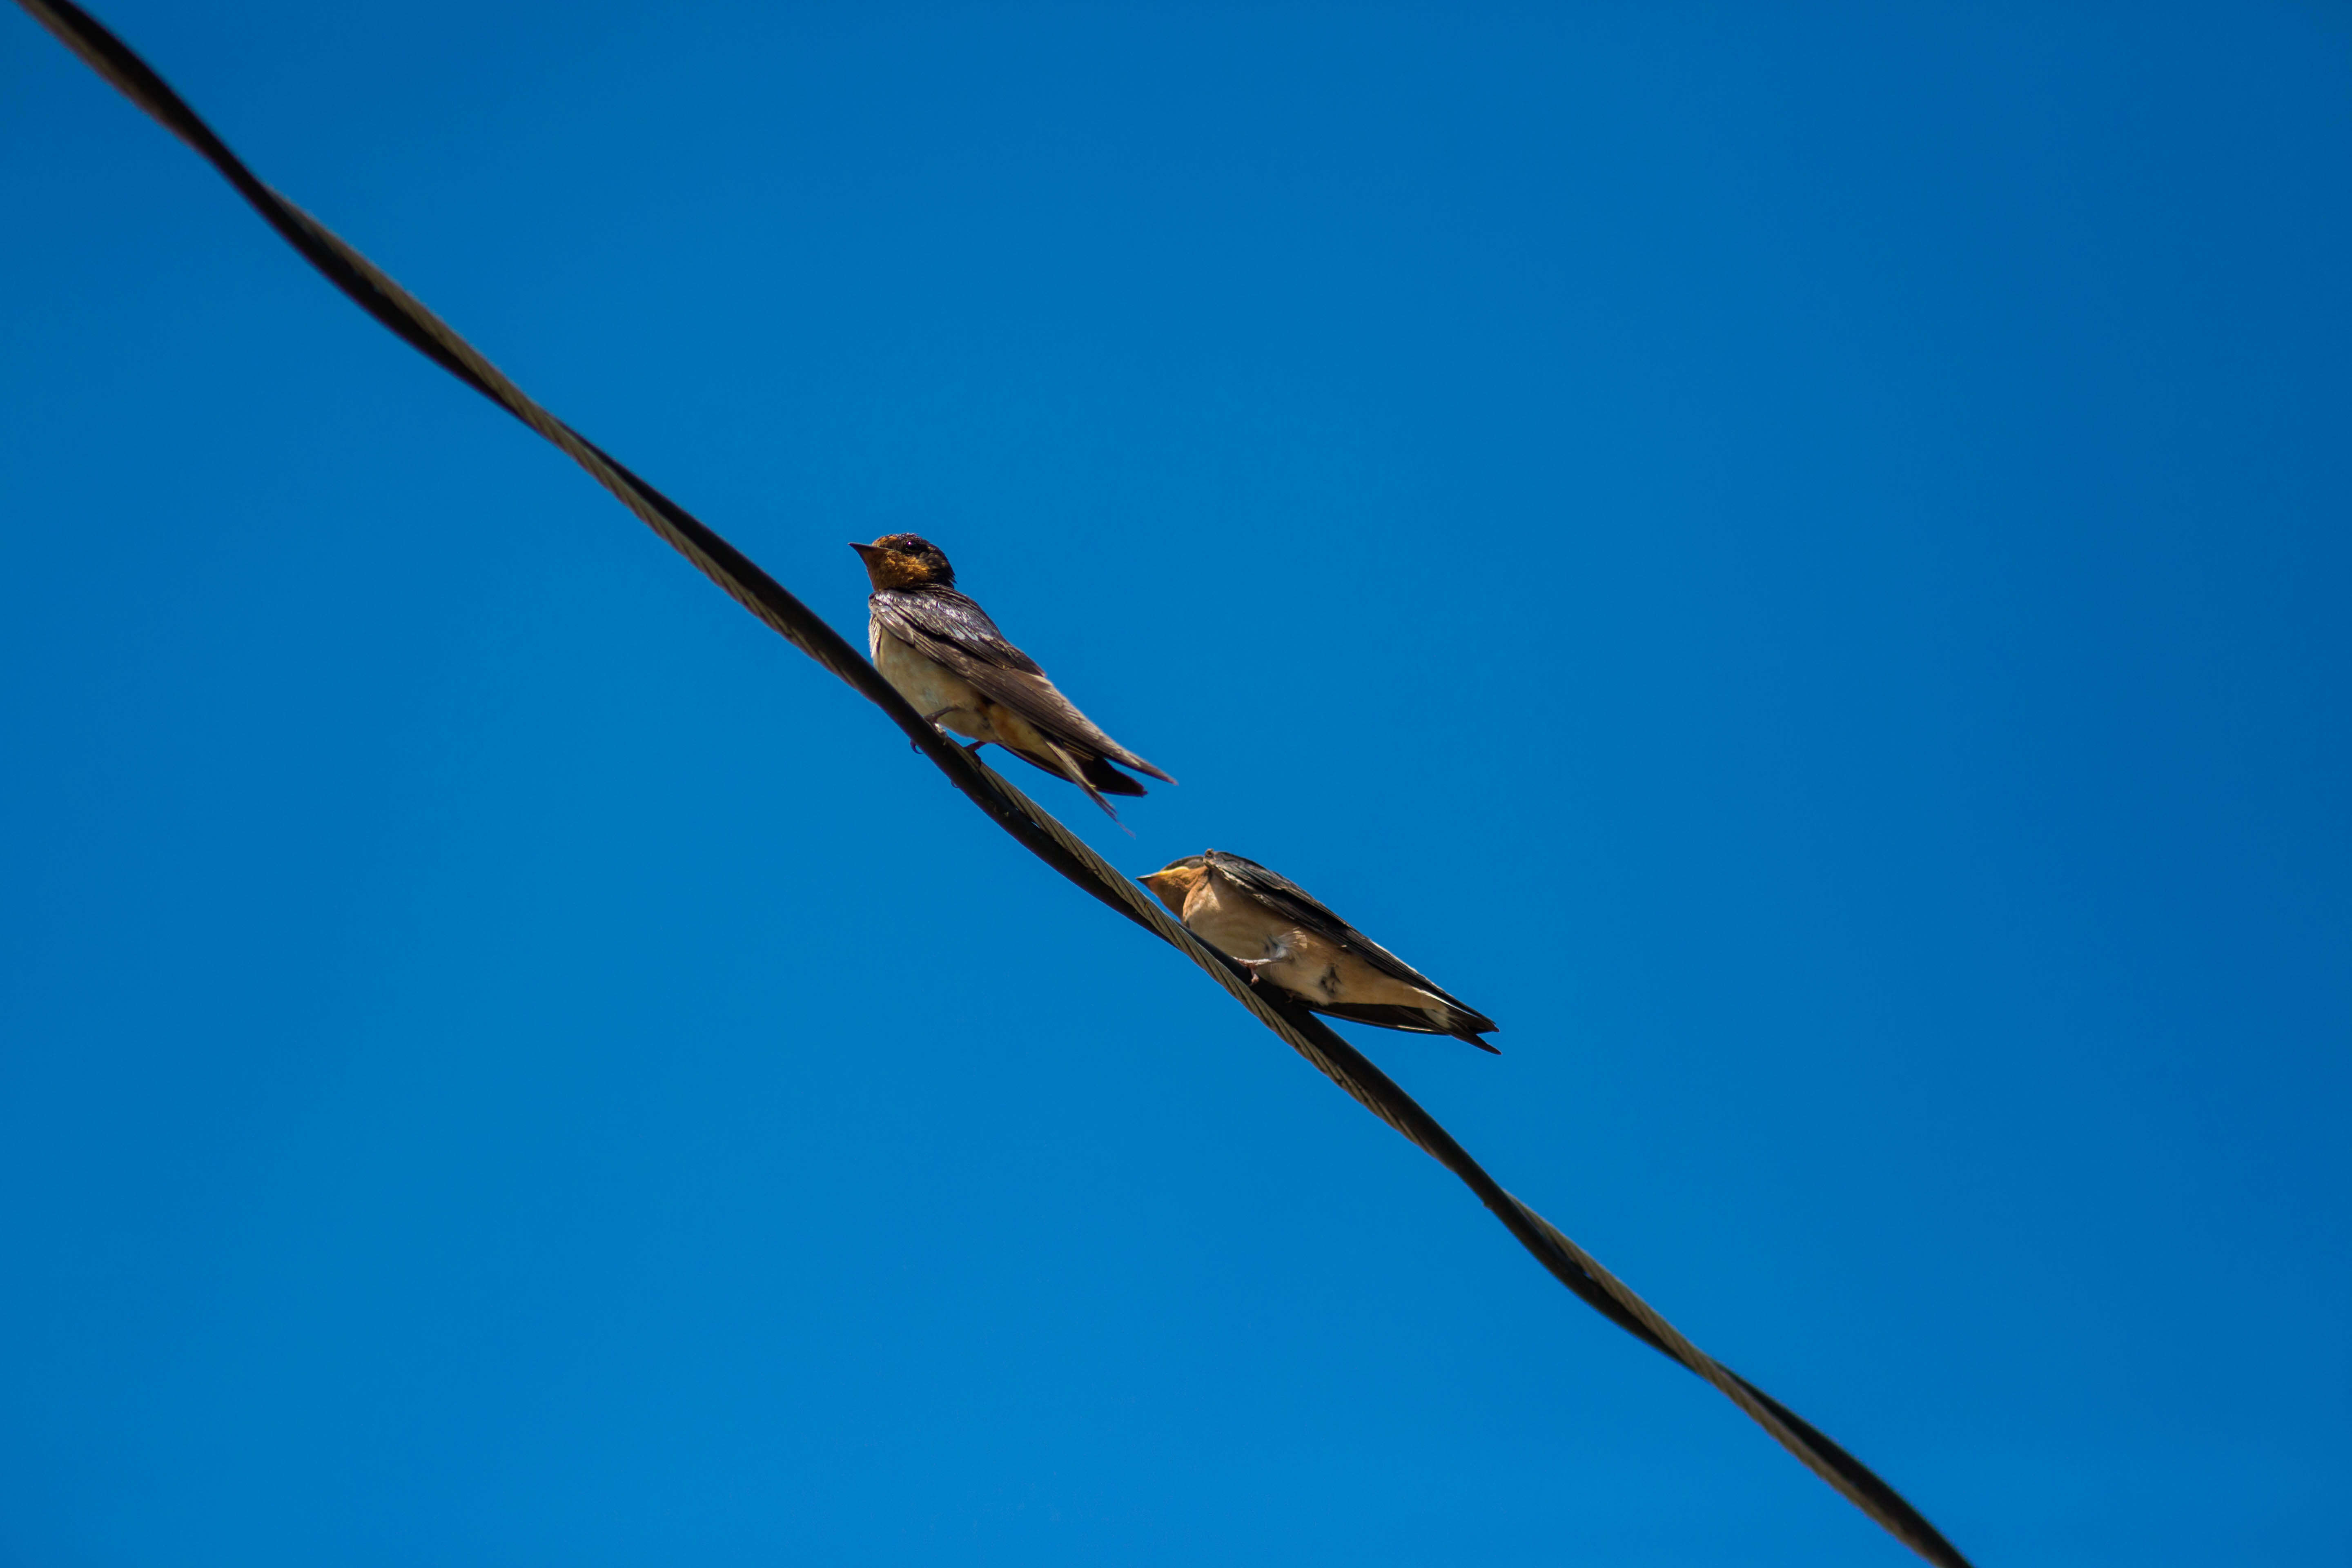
<point x="946" y="658"/>
<point x="1272" y="927"/>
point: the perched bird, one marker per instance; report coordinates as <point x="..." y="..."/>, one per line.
<point x="1275" y="928"/>
<point x="946" y="658"/>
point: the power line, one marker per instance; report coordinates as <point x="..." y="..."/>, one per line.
<point x="1036" y="829"/>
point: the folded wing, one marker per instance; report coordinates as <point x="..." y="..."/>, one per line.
<point x="951" y="631"/>
<point x="1295" y="903"/>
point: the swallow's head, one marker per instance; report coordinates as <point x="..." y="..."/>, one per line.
<point x="906" y="561"/>
<point x="1174" y="882"/>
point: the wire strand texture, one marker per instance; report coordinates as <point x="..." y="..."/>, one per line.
<point x="1038" y="830"/>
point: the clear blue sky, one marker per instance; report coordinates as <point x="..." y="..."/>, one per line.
<point x="1797" y="560"/>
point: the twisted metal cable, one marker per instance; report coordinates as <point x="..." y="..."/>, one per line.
<point x="1036" y="829"/>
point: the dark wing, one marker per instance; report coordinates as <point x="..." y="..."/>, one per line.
<point x="1293" y="902"/>
<point x="948" y="629"/>
<point x="951" y="620"/>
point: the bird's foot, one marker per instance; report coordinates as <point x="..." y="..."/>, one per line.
<point x="932" y="720"/>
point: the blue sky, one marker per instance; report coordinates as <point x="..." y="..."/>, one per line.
<point x="1795" y="558"/>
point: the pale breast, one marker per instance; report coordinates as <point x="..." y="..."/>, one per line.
<point x="1299" y="961"/>
<point x="927" y="687"/>
<point x="1232" y="922"/>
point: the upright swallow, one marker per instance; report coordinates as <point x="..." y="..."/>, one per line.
<point x="1275" y="928"/>
<point x="946" y="658"/>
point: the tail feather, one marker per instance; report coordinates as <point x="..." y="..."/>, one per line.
<point x="1128" y="759"/>
<point x="1092" y="775"/>
<point x="1459" y="1021"/>
<point x="1086" y="776"/>
<point x="1109" y="779"/>
<point x="1089" y="773"/>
